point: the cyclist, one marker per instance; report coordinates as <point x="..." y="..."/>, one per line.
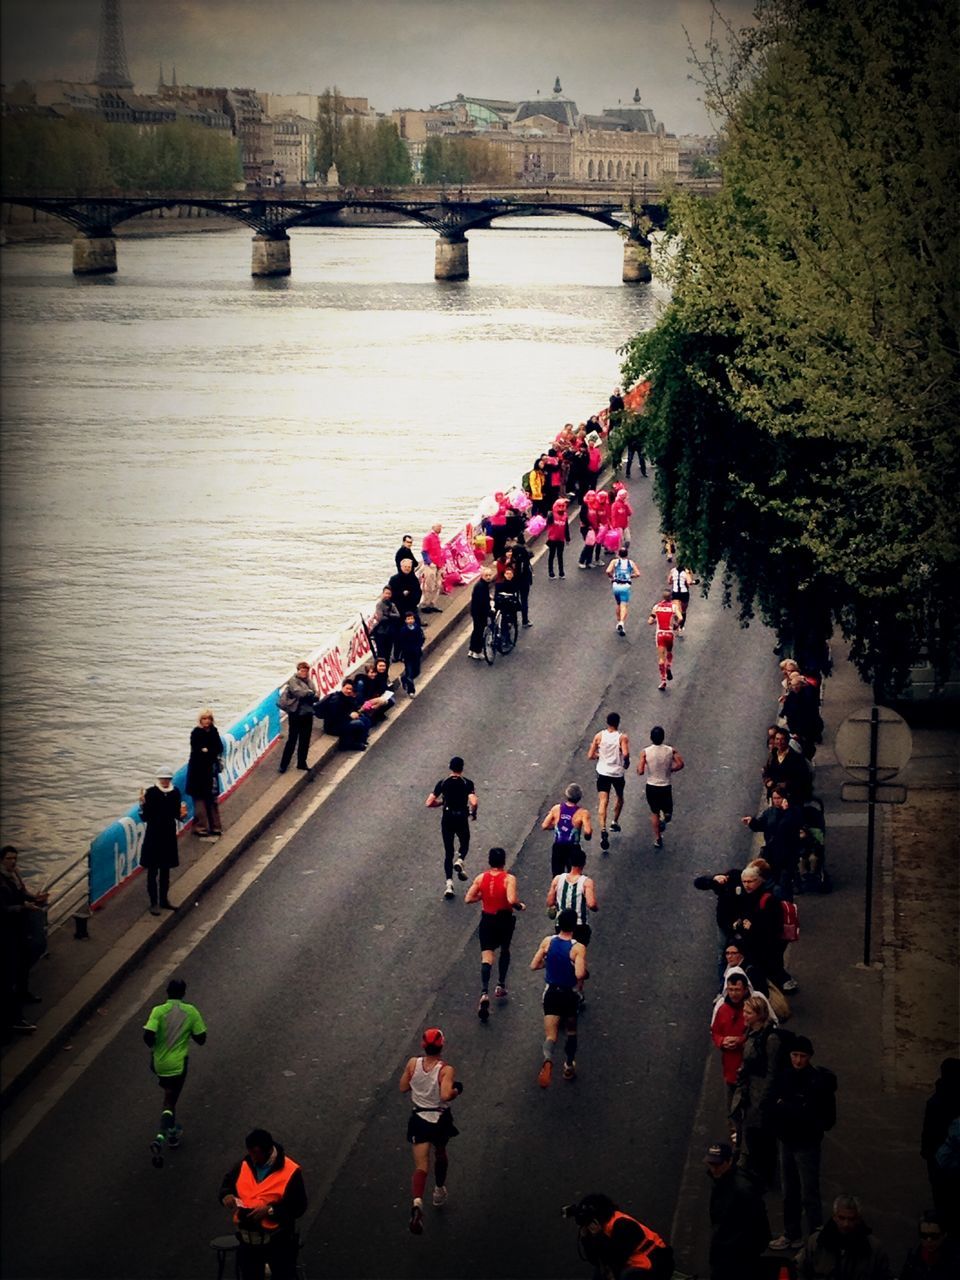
<point x="569" y="820"/>
<point x="621" y="571"/>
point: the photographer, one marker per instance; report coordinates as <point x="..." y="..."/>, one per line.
<point x="618" y="1245"/>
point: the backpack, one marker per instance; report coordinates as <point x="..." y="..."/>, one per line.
<point x="789" y="916"/>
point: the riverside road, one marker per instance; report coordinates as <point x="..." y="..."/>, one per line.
<point x="317" y="981"/>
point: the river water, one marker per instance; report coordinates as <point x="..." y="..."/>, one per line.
<point x="203" y="475"/>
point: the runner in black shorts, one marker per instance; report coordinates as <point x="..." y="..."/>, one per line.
<point x="659" y="762"/>
<point x="496" y="889"/>
<point x="565" y="962"/>
<point x="457" y="796"/>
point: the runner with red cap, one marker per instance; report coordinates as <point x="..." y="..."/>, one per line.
<point x="430" y="1083"/>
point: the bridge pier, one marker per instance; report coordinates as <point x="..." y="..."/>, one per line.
<point x="94" y="255"/>
<point x="271" y="255"/>
<point x="452" y="260"/>
<point x="636" y="262"/>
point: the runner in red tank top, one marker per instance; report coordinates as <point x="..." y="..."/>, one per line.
<point x="496" y="890"/>
<point x="663" y="617"/>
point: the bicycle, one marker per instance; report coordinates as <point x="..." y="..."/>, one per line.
<point x="499" y="635"/>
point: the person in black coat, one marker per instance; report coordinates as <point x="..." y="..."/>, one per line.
<point x="409" y="647"/>
<point x="203" y="775"/>
<point x="801" y="710"/>
<point x="738" y="1219"/>
<point x="405" y="589"/>
<point x="518" y="557"/>
<point x="161" y="808"/>
<point x="942" y="1108"/>
<point x="342" y="717"/>
<point x="480" y="611"/>
<point x="405" y="552"/>
<point x="726" y="886"/>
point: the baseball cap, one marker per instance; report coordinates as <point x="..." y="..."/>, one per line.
<point x="433" y="1038"/>
<point x="164" y="773"/>
<point x="718" y="1153"/>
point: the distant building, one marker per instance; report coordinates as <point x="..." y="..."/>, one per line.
<point x="295" y="148"/>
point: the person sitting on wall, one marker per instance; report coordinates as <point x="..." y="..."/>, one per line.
<point x="342" y="717"/>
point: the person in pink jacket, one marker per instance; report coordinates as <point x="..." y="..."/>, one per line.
<point x="431" y="571"/>
<point x="620" y="513"/>
<point x="558" y="533"/>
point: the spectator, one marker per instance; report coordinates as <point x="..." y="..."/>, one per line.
<point x="405" y="589"/>
<point x="729" y="1031"/>
<point x="24" y="940"/>
<point x="534" y="483"/>
<point x="558" y="533"/>
<point x="733" y="958"/>
<point x="844" y="1248"/>
<point x="728" y="891"/>
<point x="506" y="595"/>
<point x="942" y="1107"/>
<point x="759" y="927"/>
<point x="786" y="768"/>
<point x="936" y="1257"/>
<point x="409" y="646"/>
<point x="297" y="699"/>
<point x="203" y="775"/>
<point x="161" y="808"/>
<point x="386" y="624"/>
<point x="266" y="1193"/>
<point x="762" y="1055"/>
<point x="372" y="687"/>
<point x="431" y="571"/>
<point x="405" y="552"/>
<point x="480" y="611"/>
<point x="802" y="713"/>
<point x="518" y="557"/>
<point x="799" y="1109"/>
<point x="738" y="1220"/>
<point x="342" y="717"/>
<point x="780" y="825"/>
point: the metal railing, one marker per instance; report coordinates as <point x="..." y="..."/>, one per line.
<point x="73" y="897"/>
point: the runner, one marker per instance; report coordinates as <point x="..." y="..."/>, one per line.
<point x="569" y="820"/>
<point x="621" y="570"/>
<point x="496" y="891"/>
<point x="679" y="580"/>
<point x="430" y="1083"/>
<point x="576" y="891"/>
<point x="663" y="616"/>
<point x="611" y="750"/>
<point x="659" y="762"/>
<point x="167" y="1032"/>
<point x="457" y="797"/>
<point x="565" y="962"/>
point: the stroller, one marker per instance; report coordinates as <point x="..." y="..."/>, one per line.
<point x="812" y="874"/>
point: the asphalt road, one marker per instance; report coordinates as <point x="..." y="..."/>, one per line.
<point x="317" y="981"/>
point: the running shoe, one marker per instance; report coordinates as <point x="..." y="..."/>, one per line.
<point x="458" y="868"/>
<point x="439" y="1196"/>
<point x="174" y="1135"/>
<point x="669" y="673"/>
<point x="23" y="1025"/>
<point x="483" y="1009"/>
<point x="662" y="685"/>
<point x="501" y="992"/>
<point x="448" y="891"/>
<point x="615" y="826"/>
<point x="604" y="840"/>
<point x="546" y="1074"/>
<point x="620" y="630"/>
<point x="156" y="1151"/>
<point x="784" y="1242"/>
<point x="528" y="624"/>
<point x="658" y="843"/>
<point x="569" y="1070"/>
<point x="416" y="1220"/>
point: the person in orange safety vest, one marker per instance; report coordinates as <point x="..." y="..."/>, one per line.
<point x="617" y="1244"/>
<point x="267" y="1194"/>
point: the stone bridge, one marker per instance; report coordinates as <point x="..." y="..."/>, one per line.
<point x="272" y="217"/>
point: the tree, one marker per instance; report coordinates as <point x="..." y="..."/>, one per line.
<point x="805" y="371"/>
<point x="331" y="114"/>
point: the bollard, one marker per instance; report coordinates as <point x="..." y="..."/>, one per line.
<point x="81" y="919"/>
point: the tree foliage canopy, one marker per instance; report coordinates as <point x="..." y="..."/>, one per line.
<point x="804" y="403"/>
<point x="73" y="155"/>
<point x="459" y="160"/>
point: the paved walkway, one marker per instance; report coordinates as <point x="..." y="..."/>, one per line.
<point x="883" y="1028"/>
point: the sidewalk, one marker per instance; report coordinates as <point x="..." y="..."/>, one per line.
<point x="76" y="976"/>
<point x="883" y="1029"/>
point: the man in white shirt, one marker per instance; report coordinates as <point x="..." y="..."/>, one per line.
<point x="611" y="750"/>
<point x="659" y="762"/>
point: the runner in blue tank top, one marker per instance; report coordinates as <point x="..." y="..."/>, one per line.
<point x="568" y="820"/>
<point x="621" y="571"/>
<point x="565" y="962"/>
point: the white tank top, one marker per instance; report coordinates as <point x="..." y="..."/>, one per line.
<point x="658" y="764"/>
<point x="425" y="1091"/>
<point x="610" y="757"/>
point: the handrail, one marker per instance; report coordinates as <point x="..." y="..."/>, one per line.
<point x="69" y="901"/>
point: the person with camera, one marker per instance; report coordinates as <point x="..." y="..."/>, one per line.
<point x="267" y="1195"/>
<point x="430" y="1083"/>
<point x="618" y="1245"/>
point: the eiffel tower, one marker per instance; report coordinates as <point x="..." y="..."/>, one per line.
<point x="112" y="70"/>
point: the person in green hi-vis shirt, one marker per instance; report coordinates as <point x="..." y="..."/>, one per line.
<point x="167" y="1033"/>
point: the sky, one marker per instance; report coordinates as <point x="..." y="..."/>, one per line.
<point x="396" y="53"/>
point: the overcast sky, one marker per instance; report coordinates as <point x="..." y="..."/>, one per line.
<point x="396" y="53"/>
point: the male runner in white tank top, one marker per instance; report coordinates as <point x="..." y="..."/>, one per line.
<point x="611" y="750"/>
<point x="659" y="762"/>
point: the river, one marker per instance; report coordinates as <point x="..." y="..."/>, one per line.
<point x="203" y="475"/>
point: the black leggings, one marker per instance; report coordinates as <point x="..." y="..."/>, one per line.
<point x="554" y="552"/>
<point x="158" y="877"/>
<point x="454" y="826"/>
